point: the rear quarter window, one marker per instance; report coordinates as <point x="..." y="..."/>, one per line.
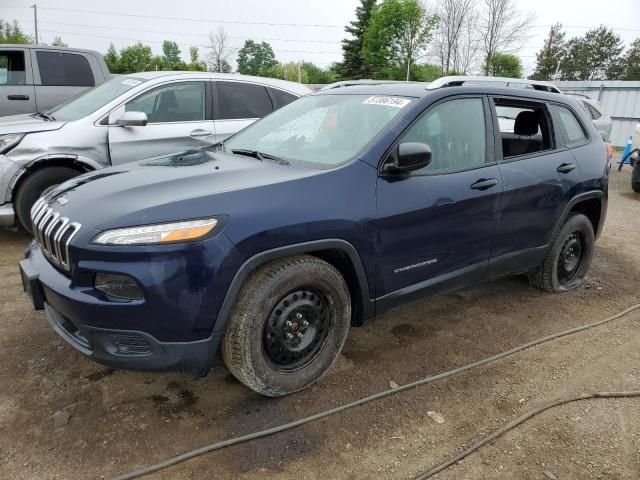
<point x="281" y="98"/>
<point x="573" y="130"/>
<point x="64" y="69"/>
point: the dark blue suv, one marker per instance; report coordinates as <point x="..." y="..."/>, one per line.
<point x="325" y="214"/>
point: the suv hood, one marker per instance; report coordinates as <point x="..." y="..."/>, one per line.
<point x="27" y="124"/>
<point x="164" y="189"/>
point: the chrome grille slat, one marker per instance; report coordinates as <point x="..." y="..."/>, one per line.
<point x="53" y="233"/>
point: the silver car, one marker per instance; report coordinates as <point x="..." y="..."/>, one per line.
<point x="127" y="118"/>
<point x="601" y="120"/>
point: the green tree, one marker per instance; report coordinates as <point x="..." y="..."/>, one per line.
<point x="137" y="58"/>
<point x="629" y="64"/>
<point x="112" y="59"/>
<point x="397" y="36"/>
<point x="548" y="59"/>
<point x="290" y="71"/>
<point x="171" y="56"/>
<point x="317" y="74"/>
<point x="256" y="59"/>
<point x="12" y="33"/>
<point x="505" y="65"/>
<point x="353" y="63"/>
<point x="195" y="64"/>
<point x="57" y="42"/>
<point x="427" y="72"/>
<point x="592" y="56"/>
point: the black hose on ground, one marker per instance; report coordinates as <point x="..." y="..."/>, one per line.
<point x="521" y="419"/>
<point x="376" y="396"/>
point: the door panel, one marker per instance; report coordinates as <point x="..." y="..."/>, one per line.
<point x="436" y="226"/>
<point x="17" y="93"/>
<point x="173" y="111"/>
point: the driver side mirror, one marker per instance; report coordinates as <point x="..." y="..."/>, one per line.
<point x="408" y="156"/>
<point x="132" y="119"/>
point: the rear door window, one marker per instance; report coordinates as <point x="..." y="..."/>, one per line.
<point x="525" y="128"/>
<point x="571" y="126"/>
<point x="12" y="68"/>
<point x="64" y="69"/>
<point x="237" y="101"/>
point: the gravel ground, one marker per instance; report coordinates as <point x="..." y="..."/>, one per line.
<point x="123" y="420"/>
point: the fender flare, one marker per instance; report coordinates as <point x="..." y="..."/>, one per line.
<point x="572" y="203"/>
<point x="367" y="304"/>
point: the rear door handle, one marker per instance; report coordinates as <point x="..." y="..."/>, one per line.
<point x="200" y="133"/>
<point x="18" y="97"/>
<point x="484" y="184"/>
<point x="566" y="167"/>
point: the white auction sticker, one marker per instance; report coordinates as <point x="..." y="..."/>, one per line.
<point x="397" y="102"/>
<point x="131" y="82"/>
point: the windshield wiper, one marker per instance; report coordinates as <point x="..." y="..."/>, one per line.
<point x="260" y="156"/>
<point x="44" y="116"/>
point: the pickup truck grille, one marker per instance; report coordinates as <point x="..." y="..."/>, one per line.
<point x="53" y="233"/>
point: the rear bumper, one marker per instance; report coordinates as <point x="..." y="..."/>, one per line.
<point x="7" y="215"/>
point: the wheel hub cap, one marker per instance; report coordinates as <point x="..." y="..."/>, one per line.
<point x="570" y="258"/>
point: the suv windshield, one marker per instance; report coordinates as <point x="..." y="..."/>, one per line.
<point x="319" y="131"/>
<point x="91" y="100"/>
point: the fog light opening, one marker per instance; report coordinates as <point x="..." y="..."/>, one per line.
<point x="117" y="286"/>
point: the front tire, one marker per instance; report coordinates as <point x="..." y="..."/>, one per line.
<point x="635" y="176"/>
<point x="569" y="258"/>
<point x="288" y="325"/>
<point x="34" y="186"/>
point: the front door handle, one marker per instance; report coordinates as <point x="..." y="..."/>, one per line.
<point x="18" y="97"/>
<point x="566" y="167"/>
<point x="484" y="184"/>
<point x="200" y="133"/>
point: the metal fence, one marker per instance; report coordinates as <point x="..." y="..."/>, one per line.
<point x="619" y="99"/>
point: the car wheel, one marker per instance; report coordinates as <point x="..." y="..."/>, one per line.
<point x="34" y="186"/>
<point x="635" y="177"/>
<point x="569" y="258"/>
<point x="288" y="325"/>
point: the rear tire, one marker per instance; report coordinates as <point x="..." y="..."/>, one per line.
<point x="635" y="177"/>
<point x="288" y="325"/>
<point x="34" y="185"/>
<point x="569" y="257"/>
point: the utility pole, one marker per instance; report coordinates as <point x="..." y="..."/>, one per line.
<point x="35" y="19"/>
<point x="299" y="72"/>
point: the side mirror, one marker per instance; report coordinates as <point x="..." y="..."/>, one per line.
<point x="409" y="156"/>
<point x="132" y="119"/>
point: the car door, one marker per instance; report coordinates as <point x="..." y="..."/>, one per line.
<point x="539" y="174"/>
<point x="237" y="105"/>
<point x="59" y="76"/>
<point x="436" y="225"/>
<point x="17" y="93"/>
<point x="179" y="119"/>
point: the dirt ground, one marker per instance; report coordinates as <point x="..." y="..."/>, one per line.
<point x="122" y="420"/>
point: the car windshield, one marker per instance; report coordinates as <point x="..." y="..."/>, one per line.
<point x="91" y="100"/>
<point x="319" y="131"/>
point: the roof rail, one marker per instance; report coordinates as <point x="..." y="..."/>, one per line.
<point x="459" y="80"/>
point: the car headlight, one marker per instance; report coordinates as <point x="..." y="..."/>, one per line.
<point x="157" y="234"/>
<point x="10" y="140"/>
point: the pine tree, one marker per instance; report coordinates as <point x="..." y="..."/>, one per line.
<point x="353" y="64"/>
<point x="592" y="57"/>
<point x="552" y="53"/>
<point x="631" y="62"/>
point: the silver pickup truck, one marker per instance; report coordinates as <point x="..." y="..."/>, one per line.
<point x="35" y="78"/>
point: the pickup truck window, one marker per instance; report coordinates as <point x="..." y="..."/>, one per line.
<point x="12" y="70"/>
<point x="64" y="69"/>
<point x="91" y="100"/>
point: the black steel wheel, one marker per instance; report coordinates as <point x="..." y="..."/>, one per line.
<point x="570" y="258"/>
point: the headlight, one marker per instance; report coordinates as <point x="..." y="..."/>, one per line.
<point x="10" y="140"/>
<point x="154" y="234"/>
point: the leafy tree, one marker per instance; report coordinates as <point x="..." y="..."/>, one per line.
<point x="12" y="33"/>
<point x="171" y="56"/>
<point x="256" y="59"/>
<point x="57" y="42"/>
<point x="353" y="63"/>
<point x="427" y="72"/>
<point x="548" y="59"/>
<point x="112" y="59"/>
<point x="631" y="62"/>
<point x="505" y="65"/>
<point x="317" y="74"/>
<point x="195" y="64"/>
<point x="591" y="56"/>
<point x="290" y="71"/>
<point x="136" y="58"/>
<point x="397" y="37"/>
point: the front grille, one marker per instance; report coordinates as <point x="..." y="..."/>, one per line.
<point x="53" y="233"/>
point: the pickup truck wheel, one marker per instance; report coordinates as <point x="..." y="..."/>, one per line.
<point x="33" y="187"/>
<point x="635" y="177"/>
<point x="288" y="325"/>
<point x="569" y="258"/>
